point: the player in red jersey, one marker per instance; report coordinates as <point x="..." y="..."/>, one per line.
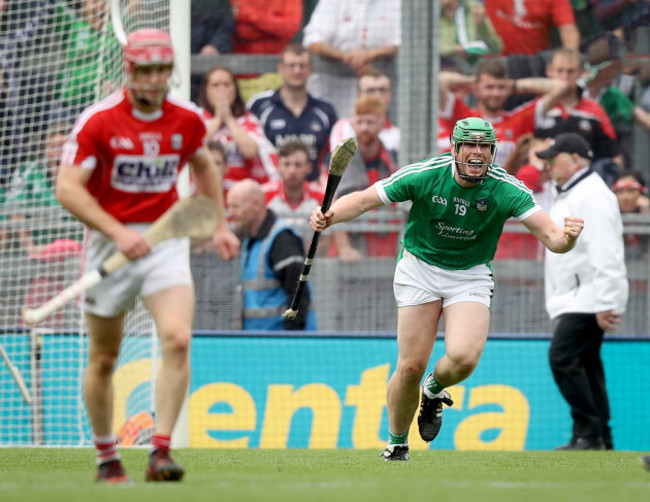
<point x="119" y="171"/>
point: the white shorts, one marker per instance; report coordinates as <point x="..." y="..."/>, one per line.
<point x="416" y="282"/>
<point x="166" y="266"/>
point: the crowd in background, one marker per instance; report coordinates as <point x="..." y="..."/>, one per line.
<point x="533" y="68"/>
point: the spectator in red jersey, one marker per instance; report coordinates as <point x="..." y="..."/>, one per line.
<point x="118" y="174"/>
<point x="575" y="113"/>
<point x="292" y="197"/>
<point x="492" y="86"/>
<point x="524" y="26"/>
<point x="250" y="154"/>
<point x="265" y="26"/>
<point x="371" y="83"/>
<point x="372" y="163"/>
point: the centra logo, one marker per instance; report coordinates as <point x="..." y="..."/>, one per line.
<point x="439" y="200"/>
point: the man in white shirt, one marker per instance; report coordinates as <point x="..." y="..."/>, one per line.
<point x="355" y="33"/>
<point x="586" y="290"/>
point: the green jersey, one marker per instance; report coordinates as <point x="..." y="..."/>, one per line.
<point x="451" y="226"/>
<point x="87" y="52"/>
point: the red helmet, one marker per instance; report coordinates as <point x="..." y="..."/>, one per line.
<point x="148" y="47"/>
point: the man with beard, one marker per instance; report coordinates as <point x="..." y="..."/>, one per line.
<point x="460" y="202"/>
<point x="372" y="83"/>
<point x="372" y="164"/>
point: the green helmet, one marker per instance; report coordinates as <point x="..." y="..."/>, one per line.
<point x="473" y="130"/>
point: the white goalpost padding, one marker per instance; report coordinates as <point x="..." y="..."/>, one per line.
<point x="179" y="30"/>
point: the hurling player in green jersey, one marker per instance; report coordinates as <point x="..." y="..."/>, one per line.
<point x="460" y="202"/>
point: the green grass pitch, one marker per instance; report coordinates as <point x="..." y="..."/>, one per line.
<point x="66" y="475"/>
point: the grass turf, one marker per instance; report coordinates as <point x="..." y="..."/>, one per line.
<point x="66" y="475"/>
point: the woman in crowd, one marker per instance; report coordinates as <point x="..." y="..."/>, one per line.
<point x="249" y="153"/>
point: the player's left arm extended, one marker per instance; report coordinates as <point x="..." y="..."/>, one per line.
<point x="555" y="238"/>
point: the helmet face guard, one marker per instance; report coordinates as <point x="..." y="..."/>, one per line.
<point x="473" y="130"/>
<point x="147" y="47"/>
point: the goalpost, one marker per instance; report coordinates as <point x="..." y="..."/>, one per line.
<point x="58" y="58"/>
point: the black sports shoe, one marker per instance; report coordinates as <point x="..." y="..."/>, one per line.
<point x="111" y="472"/>
<point x="162" y="468"/>
<point x="581" y="444"/>
<point x="430" y="416"/>
<point x="396" y="452"/>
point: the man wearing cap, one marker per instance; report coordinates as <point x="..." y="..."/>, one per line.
<point x="586" y="290"/>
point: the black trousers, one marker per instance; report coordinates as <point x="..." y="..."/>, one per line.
<point x="578" y="371"/>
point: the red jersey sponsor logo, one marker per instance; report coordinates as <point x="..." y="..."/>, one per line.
<point x="135" y="173"/>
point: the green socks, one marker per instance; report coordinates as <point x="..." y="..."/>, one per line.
<point x="398" y="438"/>
<point x="432" y="385"/>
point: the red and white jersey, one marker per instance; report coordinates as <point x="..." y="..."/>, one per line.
<point x="508" y="126"/>
<point x="262" y="168"/>
<point x="134" y="157"/>
<point x="276" y="198"/>
<point x="389" y="135"/>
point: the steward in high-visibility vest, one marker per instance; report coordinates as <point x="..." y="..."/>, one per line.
<point x="270" y="265"/>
